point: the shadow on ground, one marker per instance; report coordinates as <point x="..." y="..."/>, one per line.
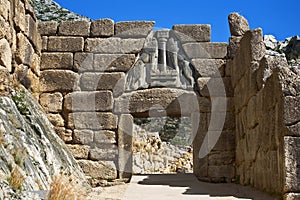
<point x="196" y="187"/>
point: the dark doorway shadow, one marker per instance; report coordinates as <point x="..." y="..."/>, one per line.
<point x="196" y="187"/>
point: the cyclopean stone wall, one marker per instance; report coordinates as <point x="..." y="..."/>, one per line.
<point x="267" y="110"/>
<point x="95" y="77"/>
<point x="20" y="44"/>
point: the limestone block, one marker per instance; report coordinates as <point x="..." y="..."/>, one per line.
<point x="114" y="45"/>
<point x="113" y="62"/>
<point x="56" y="120"/>
<point x="223" y="171"/>
<point x="205" y="50"/>
<point x="200" y="168"/>
<point x="99" y="170"/>
<point x="64" y="134"/>
<point x="35" y="64"/>
<point x="89" y="101"/>
<point x="47" y="28"/>
<point x="234" y="44"/>
<point x="106" y="152"/>
<point x="31" y="30"/>
<point x="215" y="87"/>
<point x="125" y="131"/>
<point x="226" y="142"/>
<point x="291" y="109"/>
<point x="30" y="9"/>
<point x="221" y="121"/>
<point x="222" y="104"/>
<point x="51" y="102"/>
<point x="92" y="120"/>
<point x="5" y="30"/>
<point x="175" y="102"/>
<point x="57" y="61"/>
<point x="74" y="28"/>
<point x="238" y="24"/>
<point x="83" y="62"/>
<point x="292" y="155"/>
<point x="44" y="43"/>
<point x="4" y="9"/>
<point x="105" y="137"/>
<point x="19" y="18"/>
<point x="209" y="67"/>
<point x="133" y="29"/>
<point x="58" y="80"/>
<point x="83" y="137"/>
<point x="79" y="151"/>
<point x="102" y="28"/>
<point x="5" y="55"/>
<point x="104" y="81"/>
<point x="24" y="50"/>
<point x="292" y="196"/>
<point x="193" y="33"/>
<point x="221" y="158"/>
<point x="65" y="44"/>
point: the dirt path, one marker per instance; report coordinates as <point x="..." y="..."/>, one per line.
<point x="178" y="187"/>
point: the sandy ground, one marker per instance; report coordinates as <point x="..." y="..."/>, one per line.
<point x="176" y="187"/>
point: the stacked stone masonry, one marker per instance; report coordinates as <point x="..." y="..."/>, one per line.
<point x="80" y="72"/>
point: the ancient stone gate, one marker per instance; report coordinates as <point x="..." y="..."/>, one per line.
<point x="92" y="77"/>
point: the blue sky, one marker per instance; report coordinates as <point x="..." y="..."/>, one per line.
<point x="276" y="17"/>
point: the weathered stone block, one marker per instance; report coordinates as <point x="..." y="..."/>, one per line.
<point x="125" y="132"/>
<point x="89" y="101"/>
<point x="294" y="130"/>
<point x="291" y="109"/>
<point x="44" y="43"/>
<point x="65" y="44"/>
<point x="105" y="137"/>
<point x="107" y="152"/>
<point x="193" y="33"/>
<point x="5" y="55"/>
<point x="114" y="45"/>
<point x="205" y="50"/>
<point x="79" y="151"/>
<point x="83" y="62"/>
<point x="74" y="28"/>
<point x="113" y="62"/>
<point x="209" y="67"/>
<point x="221" y="158"/>
<point x="51" y="102"/>
<point x="102" y="28"/>
<point x="19" y="18"/>
<point x="24" y="50"/>
<point x="31" y="30"/>
<point x="58" y="80"/>
<point x="4" y="9"/>
<point x="99" y="170"/>
<point x="225" y="171"/>
<point x="292" y="155"/>
<point x="133" y="29"/>
<point x="57" y="61"/>
<point x="83" y="136"/>
<point x="30" y="9"/>
<point x="35" y="64"/>
<point x="56" y="120"/>
<point x="47" y="28"/>
<point x="103" y="81"/>
<point x="64" y="134"/>
<point x="172" y="101"/>
<point x="234" y="44"/>
<point x="215" y="87"/>
<point x="238" y="24"/>
<point x="92" y="120"/>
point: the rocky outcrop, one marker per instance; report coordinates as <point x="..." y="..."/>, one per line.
<point x="31" y="154"/>
<point x="48" y="10"/>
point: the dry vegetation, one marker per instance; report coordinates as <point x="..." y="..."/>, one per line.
<point x="65" y="188"/>
<point x="16" y="179"/>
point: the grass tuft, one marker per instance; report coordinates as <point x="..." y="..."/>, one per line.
<point x="65" y="188"/>
<point x="16" y="179"/>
